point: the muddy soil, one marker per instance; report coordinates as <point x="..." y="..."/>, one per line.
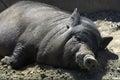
<point x="109" y="25"/>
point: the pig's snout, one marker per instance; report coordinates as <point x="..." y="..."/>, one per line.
<point x="86" y="60"/>
<point x="90" y="62"/>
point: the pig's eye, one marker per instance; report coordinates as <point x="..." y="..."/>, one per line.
<point x="67" y="26"/>
<point x="78" y="38"/>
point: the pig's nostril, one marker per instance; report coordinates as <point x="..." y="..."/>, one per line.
<point x="88" y="62"/>
<point x="93" y="66"/>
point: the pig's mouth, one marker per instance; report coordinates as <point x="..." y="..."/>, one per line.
<point x="90" y="62"/>
<point x="87" y="61"/>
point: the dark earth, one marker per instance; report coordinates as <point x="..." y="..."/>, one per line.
<point x="109" y="67"/>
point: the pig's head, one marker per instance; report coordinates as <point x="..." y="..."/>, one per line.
<point x="85" y="41"/>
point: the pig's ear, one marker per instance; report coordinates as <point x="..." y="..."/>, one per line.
<point x="75" y="17"/>
<point x="105" y="42"/>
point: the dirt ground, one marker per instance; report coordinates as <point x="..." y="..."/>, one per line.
<point x="109" y="24"/>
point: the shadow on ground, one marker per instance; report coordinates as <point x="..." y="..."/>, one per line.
<point x="103" y="57"/>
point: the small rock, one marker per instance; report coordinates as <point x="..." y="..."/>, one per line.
<point x="110" y="73"/>
<point x="4" y="60"/>
<point x="48" y="78"/>
<point x="59" y="71"/>
<point x="13" y="71"/>
<point x="112" y="70"/>
<point x="43" y="75"/>
<point x="118" y="70"/>
<point x="9" y="67"/>
<point x="31" y="72"/>
<point x="118" y="27"/>
<point x="5" y="66"/>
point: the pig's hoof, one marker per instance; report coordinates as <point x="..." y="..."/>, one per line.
<point x="14" y="63"/>
<point x="5" y="60"/>
<point x="90" y="62"/>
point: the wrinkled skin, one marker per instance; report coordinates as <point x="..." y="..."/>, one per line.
<point x="31" y="31"/>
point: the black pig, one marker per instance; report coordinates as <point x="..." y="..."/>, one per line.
<point x="32" y="31"/>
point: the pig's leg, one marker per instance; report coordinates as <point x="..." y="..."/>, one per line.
<point x="85" y="58"/>
<point x="20" y="57"/>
